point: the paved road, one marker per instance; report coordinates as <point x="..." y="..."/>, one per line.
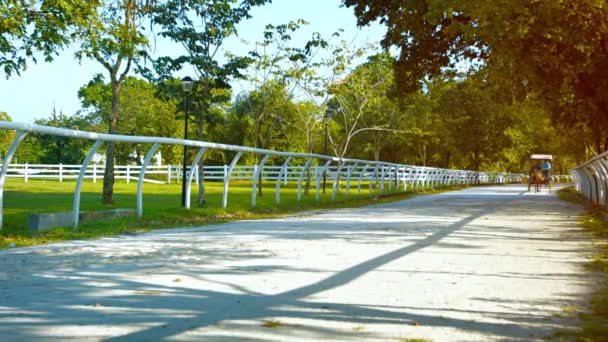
<point x="492" y="263"/>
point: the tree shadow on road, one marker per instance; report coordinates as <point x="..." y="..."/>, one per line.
<point x="67" y="289"/>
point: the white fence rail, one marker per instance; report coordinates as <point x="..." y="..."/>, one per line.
<point x="384" y="175"/>
<point x="94" y="172"/>
<point x="167" y="174"/>
<point x="591" y="179"/>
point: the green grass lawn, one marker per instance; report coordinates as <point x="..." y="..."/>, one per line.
<point x="162" y="206"/>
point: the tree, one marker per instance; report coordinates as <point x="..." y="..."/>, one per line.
<point x="268" y="78"/>
<point x="424" y="122"/>
<point x="311" y="78"/>
<point x="56" y="150"/>
<point x="268" y="114"/>
<point x="115" y="38"/>
<point x="477" y="125"/>
<point x="201" y="27"/>
<point x="45" y="26"/>
<point x="557" y="49"/>
<point x="50" y="149"/>
<point x="383" y="116"/>
<point x="141" y="113"/>
<point x="361" y="104"/>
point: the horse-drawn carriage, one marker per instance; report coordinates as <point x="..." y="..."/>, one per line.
<point x="540" y="172"/>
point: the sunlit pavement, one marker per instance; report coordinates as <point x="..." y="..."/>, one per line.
<point x="487" y="263"/>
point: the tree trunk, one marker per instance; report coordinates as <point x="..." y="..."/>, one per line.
<point x="108" y="174"/>
<point x="308" y="176"/>
<point x="200" y="124"/>
<point x="424" y="155"/>
<point x="256" y="139"/>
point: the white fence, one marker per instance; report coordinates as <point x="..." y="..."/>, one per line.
<point x="385" y="175"/>
<point x="167" y="174"/>
<point x="61" y="172"/>
<point x="591" y="179"/>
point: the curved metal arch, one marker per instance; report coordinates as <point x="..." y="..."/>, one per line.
<point x="227" y="178"/>
<point x="372" y="178"/>
<point x="282" y="173"/>
<point x="305" y="168"/>
<point x="336" y="184"/>
<point x="83" y="171"/>
<point x="349" y="176"/>
<point x="140" y="180"/>
<point x="360" y="180"/>
<point x="193" y="168"/>
<point x="318" y="176"/>
<point x="257" y="172"/>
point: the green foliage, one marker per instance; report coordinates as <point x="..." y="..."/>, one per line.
<point x="425" y="141"/>
<point x="477" y="125"/>
<point x="49" y="149"/>
<point x="555" y="50"/>
<point x="141" y="113"/>
<point x="265" y="117"/>
<point x="201" y="27"/>
<point x="6" y="136"/>
<point x="62" y="149"/>
<point x="44" y="26"/>
<point x="361" y="109"/>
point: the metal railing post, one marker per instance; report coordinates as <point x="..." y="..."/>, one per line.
<point x="256" y="177"/>
<point x="320" y="175"/>
<point x="83" y="170"/>
<point x="140" y="181"/>
<point x="282" y="173"/>
<point x="227" y="178"/>
<point x="193" y="168"/>
<point x="348" y="177"/>
<point x="371" y="180"/>
<point x="304" y="170"/>
<point x="336" y="184"/>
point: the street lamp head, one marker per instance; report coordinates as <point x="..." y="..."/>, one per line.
<point x="187" y="84"/>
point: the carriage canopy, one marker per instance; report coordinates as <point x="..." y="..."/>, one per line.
<point x="541" y="157"/>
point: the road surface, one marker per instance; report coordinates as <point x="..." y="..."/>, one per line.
<point x="481" y="264"/>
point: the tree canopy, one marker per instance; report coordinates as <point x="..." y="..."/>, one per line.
<point x="474" y="84"/>
<point x="29" y="27"/>
<point x="556" y="49"/>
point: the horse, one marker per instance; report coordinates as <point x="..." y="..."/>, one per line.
<point x="538" y="179"/>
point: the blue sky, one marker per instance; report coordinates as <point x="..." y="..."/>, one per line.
<point x="33" y="94"/>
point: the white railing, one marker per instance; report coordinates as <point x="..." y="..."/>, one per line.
<point x="591" y="179"/>
<point x="561" y="179"/>
<point x="172" y="173"/>
<point x="61" y="172"/>
<point x="382" y="174"/>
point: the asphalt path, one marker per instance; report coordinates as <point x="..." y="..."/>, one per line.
<point x="481" y="264"/>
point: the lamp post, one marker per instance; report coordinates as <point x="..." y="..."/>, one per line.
<point x="187" y="88"/>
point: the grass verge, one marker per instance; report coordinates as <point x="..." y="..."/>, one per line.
<point x="162" y="207"/>
<point x="594" y="325"/>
